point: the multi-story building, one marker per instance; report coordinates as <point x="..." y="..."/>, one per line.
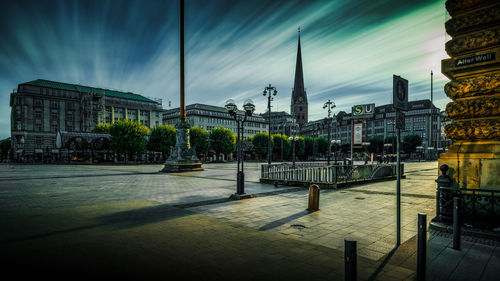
<point x="209" y="117"/>
<point x="41" y="108"/>
<point x="418" y="119"/>
<point x="281" y="123"/>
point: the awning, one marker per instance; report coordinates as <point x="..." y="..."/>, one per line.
<point x="55" y="150"/>
<point x="19" y="151"/>
<point x="38" y="150"/>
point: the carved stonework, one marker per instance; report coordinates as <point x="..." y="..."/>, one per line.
<point x="481" y="107"/>
<point x="472" y="21"/>
<point x="474" y="130"/>
<point x="473" y="87"/>
<point x="458" y="6"/>
<point x="474" y="41"/>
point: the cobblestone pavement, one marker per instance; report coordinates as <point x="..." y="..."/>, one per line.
<point x="366" y="213"/>
<point x="126" y="212"/>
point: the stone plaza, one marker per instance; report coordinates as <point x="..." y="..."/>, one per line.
<point x="131" y="220"/>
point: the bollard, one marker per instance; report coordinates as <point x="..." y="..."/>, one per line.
<point x="313" y="198"/>
<point x="443" y="194"/>
<point x="421" y="246"/>
<point x="456" y="223"/>
<point x="350" y="259"/>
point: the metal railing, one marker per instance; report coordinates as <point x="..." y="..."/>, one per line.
<point x="320" y="173"/>
<point x="479" y="207"/>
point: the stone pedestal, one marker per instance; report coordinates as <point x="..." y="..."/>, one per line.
<point x="474" y="71"/>
<point x="182" y="157"/>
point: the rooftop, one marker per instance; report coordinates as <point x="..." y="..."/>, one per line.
<point x="87" y="89"/>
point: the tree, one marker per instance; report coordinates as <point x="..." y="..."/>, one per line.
<point x="392" y="140"/>
<point x="259" y="141"/>
<point x="128" y="136"/>
<point x="199" y="140"/>
<point x="222" y="141"/>
<point x="102" y="128"/>
<point x="162" y="139"/>
<point x="300" y="147"/>
<point x="279" y="139"/>
<point x="411" y="142"/>
<point x="322" y="146"/>
<point x="376" y="144"/>
<point x="5" y="147"/>
<point x="311" y="146"/>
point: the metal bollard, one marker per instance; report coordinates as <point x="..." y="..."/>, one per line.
<point x="456" y="223"/>
<point x="350" y="259"/>
<point x="421" y="246"/>
<point x="313" y="198"/>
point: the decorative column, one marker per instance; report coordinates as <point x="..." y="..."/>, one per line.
<point x="182" y="157"/>
<point x="474" y="71"/>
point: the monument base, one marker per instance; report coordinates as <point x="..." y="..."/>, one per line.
<point x="473" y="164"/>
<point x="237" y="196"/>
<point x="182" y="166"/>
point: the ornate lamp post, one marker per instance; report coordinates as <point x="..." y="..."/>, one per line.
<point x="240" y="118"/>
<point x="329" y="105"/>
<point x="293" y="140"/>
<point x="335" y="144"/>
<point x="269" y="91"/>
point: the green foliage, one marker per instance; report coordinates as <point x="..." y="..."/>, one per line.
<point x="102" y="128"/>
<point x="199" y="140"/>
<point x="128" y="136"/>
<point x="322" y="146"/>
<point x="376" y="144"/>
<point x="162" y="139"/>
<point x="259" y="141"/>
<point x="5" y="146"/>
<point x="311" y="146"/>
<point x="300" y="147"/>
<point x="411" y="142"/>
<point x="222" y="140"/>
<point x="279" y="139"/>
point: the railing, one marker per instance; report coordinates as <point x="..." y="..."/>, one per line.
<point x="319" y="173"/>
<point x="480" y="207"/>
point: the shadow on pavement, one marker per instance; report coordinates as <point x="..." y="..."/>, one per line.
<point x="283" y="220"/>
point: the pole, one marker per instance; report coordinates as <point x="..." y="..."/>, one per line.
<point x="238" y="146"/>
<point x="398" y="192"/>
<point x="421" y="246"/>
<point x="182" y="106"/>
<point x="456" y="223"/>
<point x="352" y="143"/>
<point x="329" y="143"/>
<point x="269" y="139"/>
<point x="350" y="259"/>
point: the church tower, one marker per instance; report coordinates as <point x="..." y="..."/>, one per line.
<point x="299" y="104"/>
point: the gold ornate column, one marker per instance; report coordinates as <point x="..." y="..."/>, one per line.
<point x="474" y="71"/>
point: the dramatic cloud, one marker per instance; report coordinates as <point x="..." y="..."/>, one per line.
<point x="350" y="49"/>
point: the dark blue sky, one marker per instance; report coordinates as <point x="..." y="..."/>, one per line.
<point x="350" y="49"/>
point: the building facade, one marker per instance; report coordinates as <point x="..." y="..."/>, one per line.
<point x="209" y="117"/>
<point x="41" y="108"/>
<point x="422" y="118"/>
<point x="281" y="123"/>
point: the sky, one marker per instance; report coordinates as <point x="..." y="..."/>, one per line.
<point x="350" y="49"/>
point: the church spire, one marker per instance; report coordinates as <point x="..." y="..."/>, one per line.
<point x="299" y="97"/>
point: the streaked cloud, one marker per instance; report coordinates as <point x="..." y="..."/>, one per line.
<point x="350" y="49"/>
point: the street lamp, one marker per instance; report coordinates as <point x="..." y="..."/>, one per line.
<point x="335" y="144"/>
<point x="269" y="91"/>
<point x="330" y="105"/>
<point x="293" y="140"/>
<point x="240" y="118"/>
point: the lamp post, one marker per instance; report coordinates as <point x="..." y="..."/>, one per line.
<point x="329" y="105"/>
<point x="293" y="140"/>
<point x="269" y="91"/>
<point x="335" y="144"/>
<point x="240" y="118"/>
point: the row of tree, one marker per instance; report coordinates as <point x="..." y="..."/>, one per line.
<point x="130" y="137"/>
